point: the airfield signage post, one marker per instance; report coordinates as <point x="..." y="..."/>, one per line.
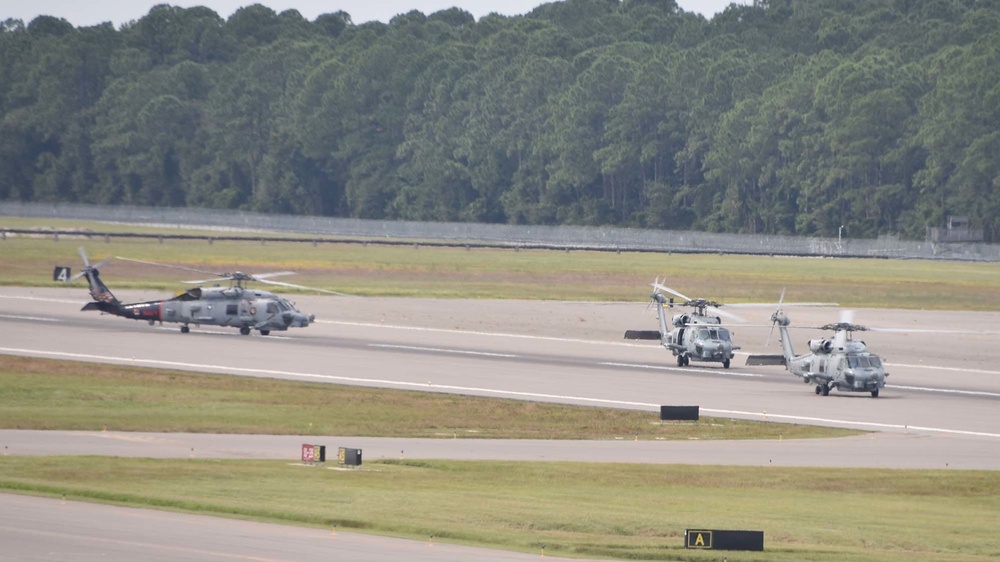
<point x="312" y="454"/>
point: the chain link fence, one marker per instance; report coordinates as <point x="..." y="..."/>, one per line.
<point x="504" y="235"/>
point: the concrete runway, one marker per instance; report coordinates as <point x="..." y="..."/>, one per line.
<point x="939" y="410"/>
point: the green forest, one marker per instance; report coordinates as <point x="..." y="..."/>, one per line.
<point x="783" y="117"/>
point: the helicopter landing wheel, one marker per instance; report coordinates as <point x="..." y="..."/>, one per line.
<point x="680" y="360"/>
<point x="819" y="389"/>
<point x="265" y="332"/>
<point x="244" y="330"/>
<point x="875" y="393"/>
<point x="725" y="363"/>
<point x="826" y="390"/>
<point x="185" y="329"/>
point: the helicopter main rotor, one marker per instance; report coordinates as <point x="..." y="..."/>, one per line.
<point x="700" y="305"/>
<point x="238" y="278"/>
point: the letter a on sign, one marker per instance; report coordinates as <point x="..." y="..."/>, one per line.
<point x="699" y="538"/>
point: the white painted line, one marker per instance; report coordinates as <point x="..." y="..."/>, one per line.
<point x="768" y="417"/>
<point x="33" y="318"/>
<point x="439" y="350"/>
<point x="475" y="333"/>
<point x="39" y="299"/>
<point x="681" y="369"/>
<point x="946" y="390"/>
<point x="889" y="365"/>
<point x="491" y="391"/>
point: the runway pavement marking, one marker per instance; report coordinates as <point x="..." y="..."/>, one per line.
<point x="681" y="369"/>
<point x="40" y="299"/>
<point x="493" y="391"/>
<point x="149" y="546"/>
<point x="476" y="333"/>
<point x="946" y="390"/>
<point x="936" y="368"/>
<point x="33" y="318"/>
<point x="765" y="416"/>
<point x="440" y="350"/>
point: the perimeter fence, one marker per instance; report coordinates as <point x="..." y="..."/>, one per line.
<point x="327" y="229"/>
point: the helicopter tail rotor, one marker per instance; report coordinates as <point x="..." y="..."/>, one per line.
<point x="87" y="266"/>
<point x="777" y="316"/>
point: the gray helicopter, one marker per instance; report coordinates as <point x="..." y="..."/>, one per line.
<point x="696" y="336"/>
<point x="236" y="306"/>
<point x="840" y="362"/>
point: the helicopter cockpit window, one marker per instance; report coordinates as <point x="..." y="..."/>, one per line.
<point x="272" y="308"/>
<point x="859" y="362"/>
<point x="286" y="305"/>
<point x="875" y="361"/>
<point x="712" y="334"/>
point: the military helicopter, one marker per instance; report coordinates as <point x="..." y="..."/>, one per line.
<point x="236" y="306"/>
<point x="696" y="336"/>
<point x="839" y="362"/>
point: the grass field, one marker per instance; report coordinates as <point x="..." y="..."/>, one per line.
<point x="424" y="271"/>
<point x="626" y="512"/>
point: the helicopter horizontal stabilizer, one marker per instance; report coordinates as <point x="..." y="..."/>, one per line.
<point x="642" y="335"/>
<point x="765" y="360"/>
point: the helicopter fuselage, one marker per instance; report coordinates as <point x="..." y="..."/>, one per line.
<point x="238" y="307"/>
<point x="235" y="306"/>
<point x="838" y="363"/>
<point x="846" y="372"/>
<point x="699" y="338"/>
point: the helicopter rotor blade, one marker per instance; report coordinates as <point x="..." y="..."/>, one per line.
<point x="664" y="288"/>
<point x="260" y="276"/>
<point x="169" y="266"/>
<point x="303" y="287"/>
<point x="729" y="315"/>
<point x="847" y="317"/>
<point x="774" y="316"/>
<point x="202" y="281"/>
<point x="87" y="266"/>
<point x="83" y="254"/>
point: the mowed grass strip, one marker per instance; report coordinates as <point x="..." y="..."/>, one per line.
<point x="63" y="395"/>
<point x="424" y="271"/>
<point x="626" y="512"/>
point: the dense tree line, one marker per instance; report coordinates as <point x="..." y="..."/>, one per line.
<point x="787" y="116"/>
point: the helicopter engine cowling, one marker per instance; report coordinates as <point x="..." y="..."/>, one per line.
<point x="821" y="346"/>
<point x="681" y="320"/>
